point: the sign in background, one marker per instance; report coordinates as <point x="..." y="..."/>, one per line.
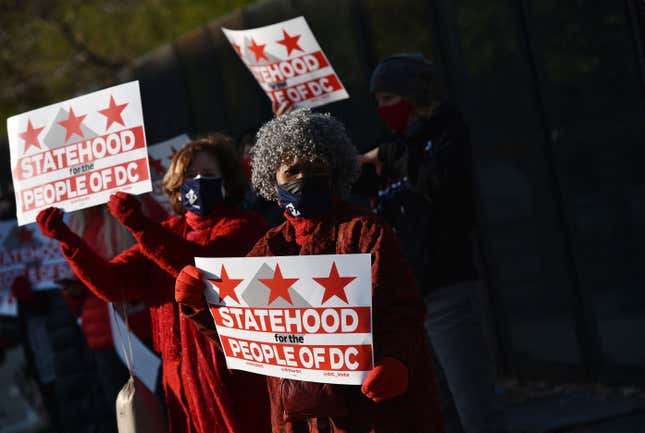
<point x="160" y="156"/>
<point x="297" y="317"/>
<point x="288" y="63"/>
<point x="8" y="304"/>
<point x="75" y="153"/>
<point x="25" y="251"/>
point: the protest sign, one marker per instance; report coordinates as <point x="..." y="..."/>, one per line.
<point x="8" y="304"/>
<point x="288" y="63"/>
<point x="25" y="251"/>
<point x="75" y="153"/>
<point x="160" y="156"/>
<point x="297" y="317"/>
<point x="145" y="363"/>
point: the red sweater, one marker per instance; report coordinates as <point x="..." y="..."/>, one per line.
<point x="202" y="395"/>
<point x="398" y="313"/>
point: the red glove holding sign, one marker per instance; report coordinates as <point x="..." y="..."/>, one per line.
<point x="127" y="209"/>
<point x="189" y="288"/>
<point x="51" y="224"/>
<point x="387" y="380"/>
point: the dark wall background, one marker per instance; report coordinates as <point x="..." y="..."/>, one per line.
<point x="553" y="93"/>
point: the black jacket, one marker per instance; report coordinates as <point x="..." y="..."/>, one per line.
<point x="435" y="215"/>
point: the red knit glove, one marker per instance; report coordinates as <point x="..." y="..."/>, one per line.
<point x="127" y="209"/>
<point x="387" y="380"/>
<point x="189" y="288"/>
<point x="51" y="224"/>
<point x="21" y="289"/>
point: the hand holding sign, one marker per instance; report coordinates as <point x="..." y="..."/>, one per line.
<point x="387" y="380"/>
<point x="189" y="288"/>
<point x="127" y="209"/>
<point x="51" y="224"/>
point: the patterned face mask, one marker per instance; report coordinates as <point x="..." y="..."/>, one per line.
<point x="202" y="194"/>
<point x="306" y="197"/>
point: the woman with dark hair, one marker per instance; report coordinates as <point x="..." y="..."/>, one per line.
<point x="205" y="184"/>
<point x="306" y="162"/>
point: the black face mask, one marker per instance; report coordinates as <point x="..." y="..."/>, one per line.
<point x="201" y="195"/>
<point x="307" y="197"/>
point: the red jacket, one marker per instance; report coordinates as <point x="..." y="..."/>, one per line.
<point x="101" y="231"/>
<point x="202" y="395"/>
<point x="398" y="313"/>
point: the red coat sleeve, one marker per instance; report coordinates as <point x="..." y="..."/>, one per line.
<point x="125" y="277"/>
<point x="171" y="251"/>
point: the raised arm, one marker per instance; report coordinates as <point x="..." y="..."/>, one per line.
<point x="123" y="276"/>
<point x="171" y="251"/>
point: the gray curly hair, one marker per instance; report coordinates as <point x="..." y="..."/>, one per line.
<point x="307" y="136"/>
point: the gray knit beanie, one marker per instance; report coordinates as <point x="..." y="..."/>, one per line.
<point x="307" y="136"/>
<point x="408" y="74"/>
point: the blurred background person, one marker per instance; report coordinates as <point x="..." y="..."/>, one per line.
<point x="429" y="200"/>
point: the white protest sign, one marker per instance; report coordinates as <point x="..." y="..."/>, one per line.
<point x="297" y="317"/>
<point x="24" y="250"/>
<point x="160" y="156"/>
<point x="8" y="304"/>
<point x="75" y="153"/>
<point x="288" y="63"/>
<point x="145" y="363"/>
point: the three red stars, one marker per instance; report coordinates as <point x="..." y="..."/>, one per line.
<point x="290" y="42"/>
<point x="258" y="50"/>
<point x="279" y="285"/>
<point x="73" y="124"/>
<point x="334" y="284"/>
<point x="226" y="285"/>
<point x="113" y="113"/>
<point x="31" y="136"/>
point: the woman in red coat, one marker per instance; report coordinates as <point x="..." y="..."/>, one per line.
<point x="205" y="183"/>
<point x="306" y="162"/>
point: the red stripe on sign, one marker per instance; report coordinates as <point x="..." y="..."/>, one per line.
<point x="82" y="152"/>
<point x="308" y="90"/>
<point x="332" y="320"/>
<point x="81" y="185"/>
<point x="278" y="72"/>
<point x="334" y="357"/>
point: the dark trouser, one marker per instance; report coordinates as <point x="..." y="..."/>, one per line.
<point x="465" y="370"/>
<point x="112" y="375"/>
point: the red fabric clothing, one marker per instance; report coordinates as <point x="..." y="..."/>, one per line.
<point x="202" y="395"/>
<point x="398" y="313"/>
<point x="95" y="318"/>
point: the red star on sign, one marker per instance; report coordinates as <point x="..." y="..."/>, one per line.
<point x="226" y="285"/>
<point x="31" y="136"/>
<point x="290" y="42"/>
<point x="258" y="51"/>
<point x="156" y="164"/>
<point x="334" y="284"/>
<point x="25" y="235"/>
<point x="73" y="124"/>
<point x="238" y="49"/>
<point x="113" y="113"/>
<point x="279" y="285"/>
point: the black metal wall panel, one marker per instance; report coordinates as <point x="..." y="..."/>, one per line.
<point x="197" y="57"/>
<point x="165" y="104"/>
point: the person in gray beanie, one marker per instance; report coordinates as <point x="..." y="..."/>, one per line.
<point x="306" y="162"/>
<point x="430" y="203"/>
